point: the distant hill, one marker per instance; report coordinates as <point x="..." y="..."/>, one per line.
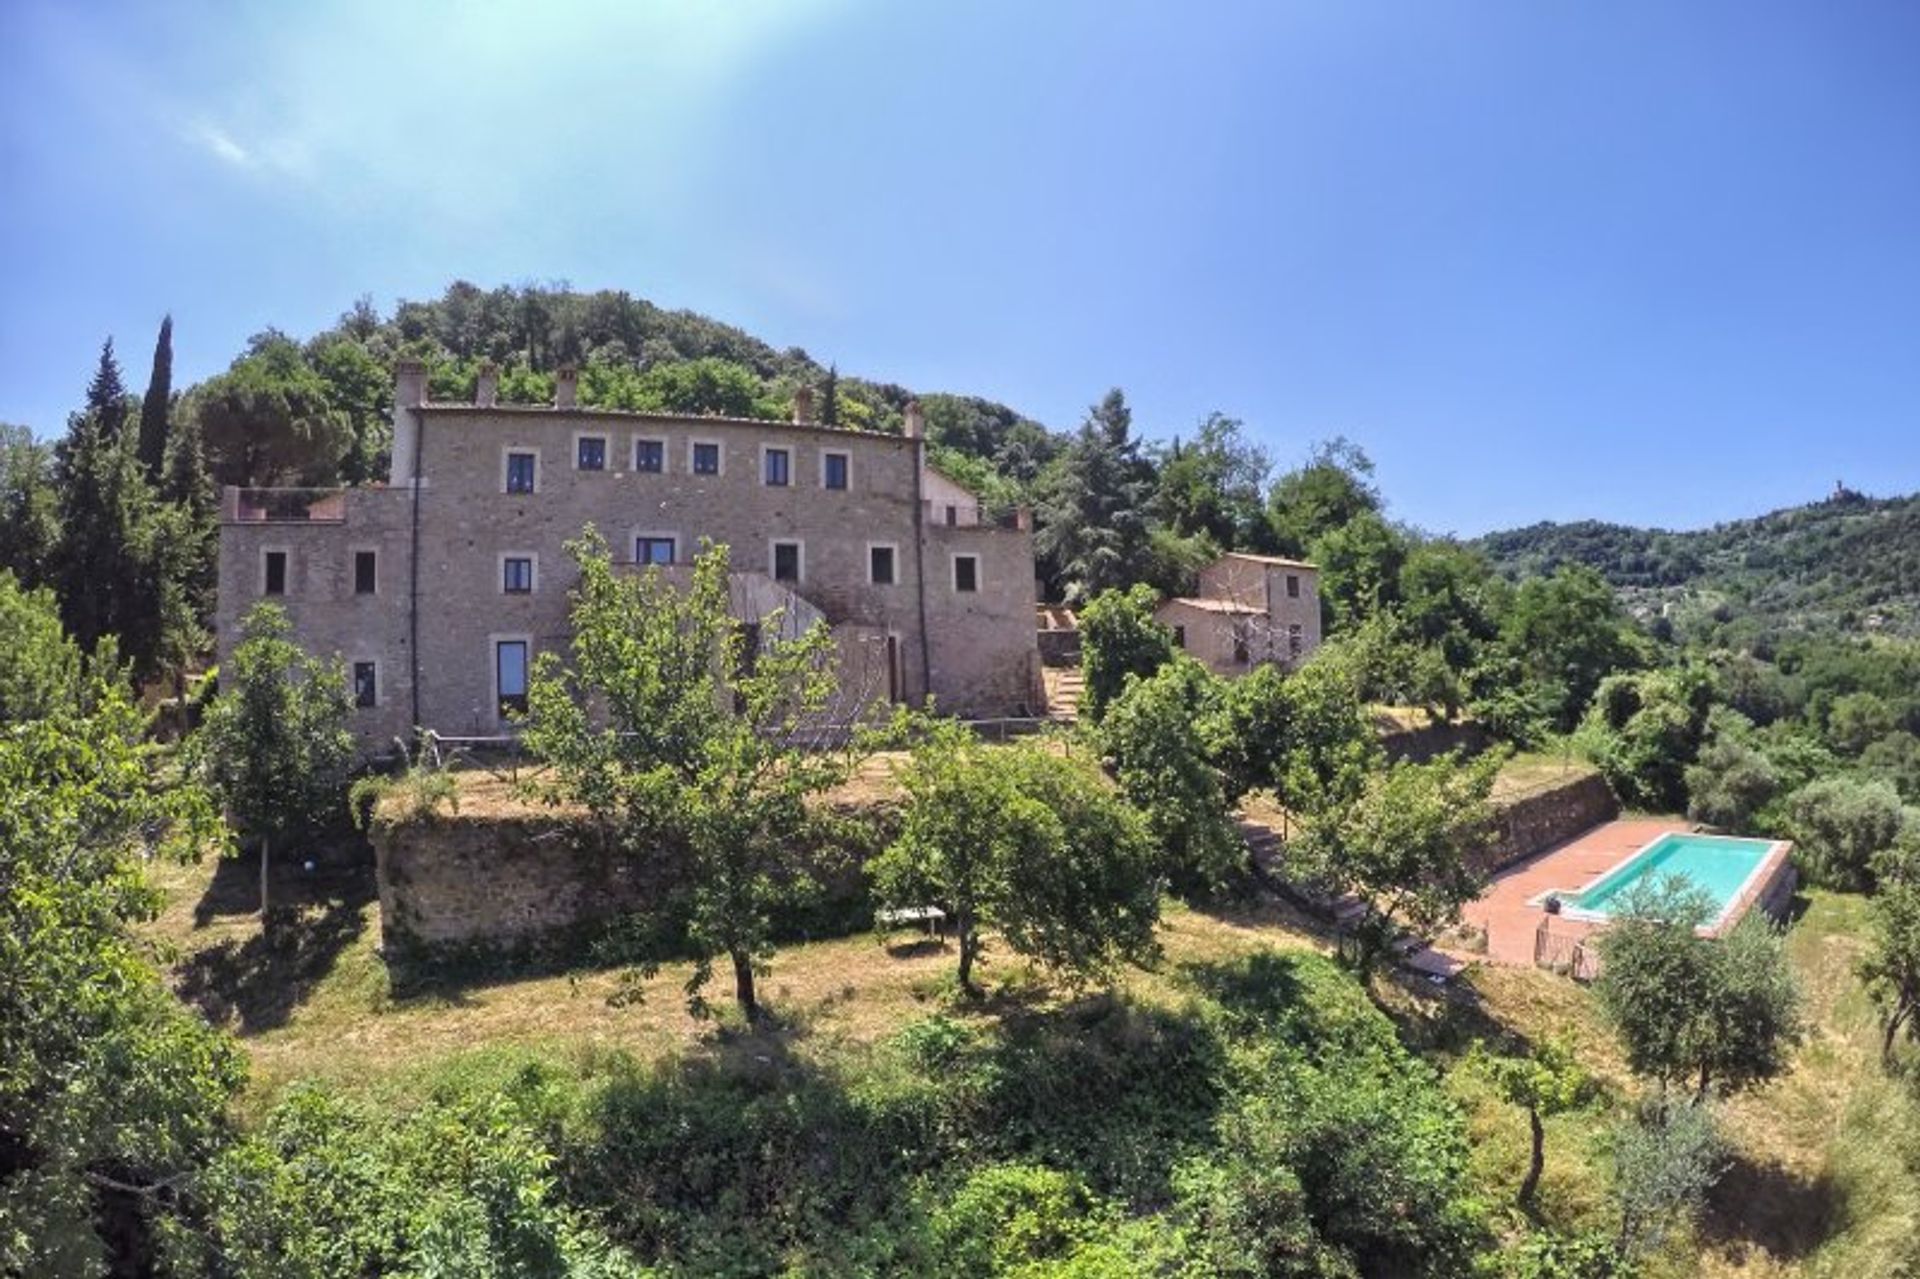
<point x="1848" y="563"/>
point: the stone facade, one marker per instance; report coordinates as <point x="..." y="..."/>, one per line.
<point x="1251" y="610"/>
<point x="955" y="622"/>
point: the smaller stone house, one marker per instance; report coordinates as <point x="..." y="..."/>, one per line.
<point x="1251" y="609"/>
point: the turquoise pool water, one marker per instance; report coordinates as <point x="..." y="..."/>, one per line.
<point x="1716" y="863"/>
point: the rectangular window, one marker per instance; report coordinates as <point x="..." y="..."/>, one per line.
<point x="779" y="467"/>
<point x="833" y="470"/>
<point x="966" y="572"/>
<point x="366" y="684"/>
<point x="1179" y="637"/>
<point x="591" y="453"/>
<point x="1293" y="586"/>
<point x="653" y="550"/>
<point x="510" y="675"/>
<point x="880" y="565"/>
<point x="1295" y="640"/>
<point x="366" y="574"/>
<point x="516" y="575"/>
<point x="521" y="470"/>
<point x="649" y="456"/>
<point x="1240" y="654"/>
<point x="706" y="459"/>
<point x="786" y="561"/>
<point x="276" y="583"/>
<point x="953" y="516"/>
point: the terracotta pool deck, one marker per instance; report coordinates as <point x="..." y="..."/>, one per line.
<point x="1503" y="910"/>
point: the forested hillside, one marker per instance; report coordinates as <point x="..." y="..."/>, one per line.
<point x="1849" y="563"/>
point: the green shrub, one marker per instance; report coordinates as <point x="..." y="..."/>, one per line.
<point x="1839" y="826"/>
<point x="1003" y="1215"/>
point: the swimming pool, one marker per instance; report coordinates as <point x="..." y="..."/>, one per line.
<point x="1729" y="870"/>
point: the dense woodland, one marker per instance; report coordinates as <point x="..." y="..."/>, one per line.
<point x="1279" y="1115"/>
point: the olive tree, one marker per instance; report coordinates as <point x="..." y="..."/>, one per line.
<point x="1029" y="843"/>
<point x="1691" y="1009"/>
<point x="1545" y="1082"/>
<point x="1840" y="826"/>
<point x="1891" y="968"/>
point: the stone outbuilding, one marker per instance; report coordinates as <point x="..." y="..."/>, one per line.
<point x="1251" y="609"/>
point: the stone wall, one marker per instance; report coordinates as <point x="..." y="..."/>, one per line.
<point x="493" y="880"/>
<point x="1534" y="822"/>
<point x="517" y="875"/>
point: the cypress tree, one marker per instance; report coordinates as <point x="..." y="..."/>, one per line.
<point x="153" y="408"/>
<point x="187" y="486"/>
<point x="103" y="563"/>
<point x="830" y="397"/>
<point x="107" y="394"/>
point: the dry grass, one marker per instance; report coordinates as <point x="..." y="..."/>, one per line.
<point x="1820" y="1185"/>
<point x="1526" y="774"/>
<point x="335" y="1017"/>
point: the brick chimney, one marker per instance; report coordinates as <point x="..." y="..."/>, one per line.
<point x="566" y="387"/>
<point x="916" y="427"/>
<point x="802" y="405"/>
<point x="409" y="393"/>
<point x="486" y="385"/>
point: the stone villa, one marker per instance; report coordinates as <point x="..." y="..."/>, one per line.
<point x="1252" y="609"/>
<point x="439" y="588"/>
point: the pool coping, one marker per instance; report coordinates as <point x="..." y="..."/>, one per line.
<point x="1762" y="877"/>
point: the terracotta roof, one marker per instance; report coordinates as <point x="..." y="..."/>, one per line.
<point x="1217" y="606"/>
<point x="1269" y="559"/>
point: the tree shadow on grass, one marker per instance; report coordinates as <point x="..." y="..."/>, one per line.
<point x="256" y="982"/>
<point x="1771" y="1207"/>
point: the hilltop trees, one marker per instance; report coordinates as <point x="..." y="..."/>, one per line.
<point x="269" y="419"/>
<point x="1212" y="486"/>
<point x="1093" y="505"/>
<point x="1333" y="488"/>
<point x="1567" y="633"/>
<point x="102" y="563"/>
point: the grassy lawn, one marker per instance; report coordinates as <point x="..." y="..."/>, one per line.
<point x="1823" y="1182"/>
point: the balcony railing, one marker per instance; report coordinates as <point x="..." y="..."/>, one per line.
<point x="969" y="515"/>
<point x="283" y="506"/>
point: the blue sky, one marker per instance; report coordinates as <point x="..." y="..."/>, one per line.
<point x="1651" y="262"/>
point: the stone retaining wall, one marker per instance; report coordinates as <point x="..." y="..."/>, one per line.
<point x="1535" y="822"/>
<point x="527" y="879"/>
